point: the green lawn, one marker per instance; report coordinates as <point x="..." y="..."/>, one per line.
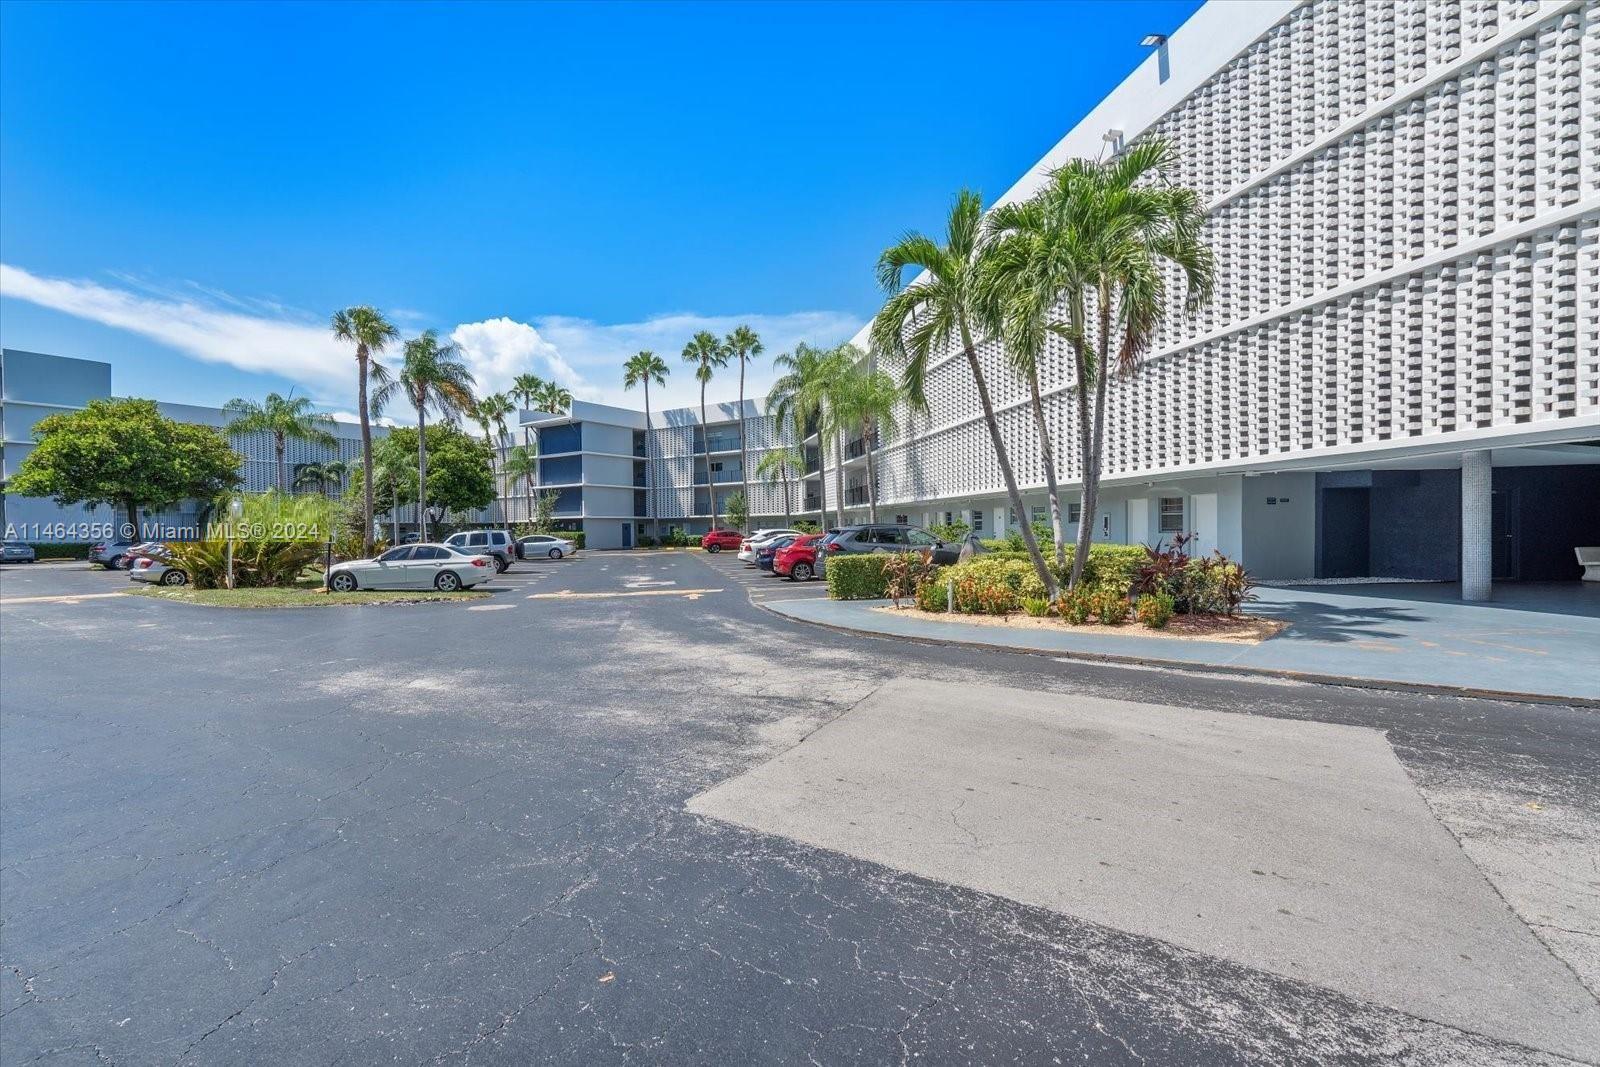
<point x="296" y="598"/>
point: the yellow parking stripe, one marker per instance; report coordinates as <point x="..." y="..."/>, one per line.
<point x="693" y="594"/>
<point x="54" y="599"/>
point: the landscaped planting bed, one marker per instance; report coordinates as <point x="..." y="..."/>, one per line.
<point x="1159" y="590"/>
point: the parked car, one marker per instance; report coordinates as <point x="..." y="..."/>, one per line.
<point x="768" y="549"/>
<point x="421" y="566"/>
<point x="748" y="546"/>
<point x="539" y="546"/>
<point x="797" y="560"/>
<point x="17" y="552"/>
<point x="410" y="538"/>
<point x="717" y="540"/>
<point x="889" y="537"/>
<point x="497" y="543"/>
<point x="109" y="553"/>
<point x="156" y="565"/>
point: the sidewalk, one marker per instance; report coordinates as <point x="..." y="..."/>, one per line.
<point x="1533" y="641"/>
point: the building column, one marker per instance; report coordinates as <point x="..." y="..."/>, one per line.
<point x="1477" y="509"/>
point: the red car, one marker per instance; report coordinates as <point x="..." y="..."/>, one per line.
<point x="717" y="540"/>
<point x="797" y="561"/>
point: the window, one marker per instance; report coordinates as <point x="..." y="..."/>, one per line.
<point x="1172" y="514"/>
<point x="903" y="520"/>
<point x="477" y="540"/>
<point x="949" y="518"/>
<point x="1040" y="513"/>
<point x="977" y="520"/>
<point x="396" y="555"/>
<point x="1011" y="516"/>
<point x="921" y="538"/>
<point x="431" y="552"/>
<point x="1074" y="512"/>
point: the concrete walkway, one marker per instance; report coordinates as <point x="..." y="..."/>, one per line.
<point x="1532" y="641"/>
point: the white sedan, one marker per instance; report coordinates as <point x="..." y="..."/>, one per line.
<point x="538" y="546"/>
<point x="747" y="547"/>
<point x="413" y="567"/>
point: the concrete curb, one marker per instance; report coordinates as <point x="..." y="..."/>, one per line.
<point x="1113" y="659"/>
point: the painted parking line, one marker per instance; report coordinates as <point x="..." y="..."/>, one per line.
<point x="688" y="594"/>
<point x="62" y="599"/>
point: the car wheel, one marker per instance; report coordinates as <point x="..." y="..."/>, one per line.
<point x="713" y="548"/>
<point x="447" y="582"/>
<point x="174" y="577"/>
<point x="555" y="553"/>
<point x="343" y="582"/>
<point x="800" y="572"/>
<point x="501" y="565"/>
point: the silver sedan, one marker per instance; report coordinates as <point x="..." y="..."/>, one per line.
<point x="423" y="566"/>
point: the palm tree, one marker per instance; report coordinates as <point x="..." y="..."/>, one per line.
<point x="642" y="369"/>
<point x="743" y="344"/>
<point x="807" y="392"/>
<point x="523" y="462"/>
<point x="936" y="309"/>
<point x="431" y="374"/>
<point x="389" y="471"/>
<point x="1099" y="241"/>
<point x="524" y="389"/>
<point x="320" y="474"/>
<point x="490" y="413"/>
<point x="867" y="399"/>
<point x="1020" y="285"/>
<point x="371" y="333"/>
<point x="286" y="418"/>
<point x="705" y="353"/>
<point x="774" y="466"/>
<point x="554" y="399"/>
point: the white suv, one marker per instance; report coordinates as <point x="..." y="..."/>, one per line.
<point x="496" y="543"/>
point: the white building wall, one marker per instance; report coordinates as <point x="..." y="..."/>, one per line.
<point x="1405" y="213"/>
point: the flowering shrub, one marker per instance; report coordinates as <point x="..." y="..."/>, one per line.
<point x="1207" y="585"/>
<point x="1111" y="608"/>
<point x="1154" y="610"/>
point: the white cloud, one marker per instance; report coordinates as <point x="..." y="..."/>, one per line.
<point x="497" y="350"/>
<point x="298" y="349"/>
<point x="265" y="337"/>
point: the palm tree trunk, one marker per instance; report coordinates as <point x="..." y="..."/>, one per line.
<point x="705" y="447"/>
<point x="650" y="510"/>
<point x="744" y="454"/>
<point x="366" y="458"/>
<point x="283" y="474"/>
<point x="1047" y="454"/>
<point x="422" y="472"/>
<point x="1091" y="435"/>
<point x="839" y="474"/>
<point x="1028" y="540"/>
<point x="872" y="474"/>
<point x="788" y="511"/>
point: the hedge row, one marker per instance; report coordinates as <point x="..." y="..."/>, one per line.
<point x="59" y="549"/>
<point x="860" y="576"/>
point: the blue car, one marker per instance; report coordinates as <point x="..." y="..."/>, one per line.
<point x="17" y="552"/>
<point x="765" y="553"/>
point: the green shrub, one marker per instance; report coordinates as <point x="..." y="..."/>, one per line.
<point x="806" y="526"/>
<point x="934" y="592"/>
<point x="1111" y="608"/>
<point x="1076" y="605"/>
<point x="904" y="573"/>
<point x="1110" y="566"/>
<point x="950" y="532"/>
<point x="856" y="576"/>
<point x="60" y="549"/>
<point x="1154" y="610"/>
<point x="1036" y="606"/>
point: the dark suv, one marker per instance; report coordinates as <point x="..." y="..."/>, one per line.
<point x="886" y="537"/>
<point x="497" y="543"/>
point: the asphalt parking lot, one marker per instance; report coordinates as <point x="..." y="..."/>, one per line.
<point x="436" y="832"/>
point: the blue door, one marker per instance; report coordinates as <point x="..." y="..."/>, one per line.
<point x="627" y="535"/>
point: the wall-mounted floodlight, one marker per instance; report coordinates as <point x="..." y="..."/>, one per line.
<point x="1153" y="40"/>
<point x="1112" y="137"/>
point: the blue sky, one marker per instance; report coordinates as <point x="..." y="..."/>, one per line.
<point x="187" y="191"/>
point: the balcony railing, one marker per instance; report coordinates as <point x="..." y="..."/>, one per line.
<point x="813" y="502"/>
<point x="718" y="442"/>
<point x="855" y="494"/>
<point x="855" y="449"/>
<point x="724" y="476"/>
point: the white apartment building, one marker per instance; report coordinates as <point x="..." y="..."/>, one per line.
<point x="1399" y="375"/>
